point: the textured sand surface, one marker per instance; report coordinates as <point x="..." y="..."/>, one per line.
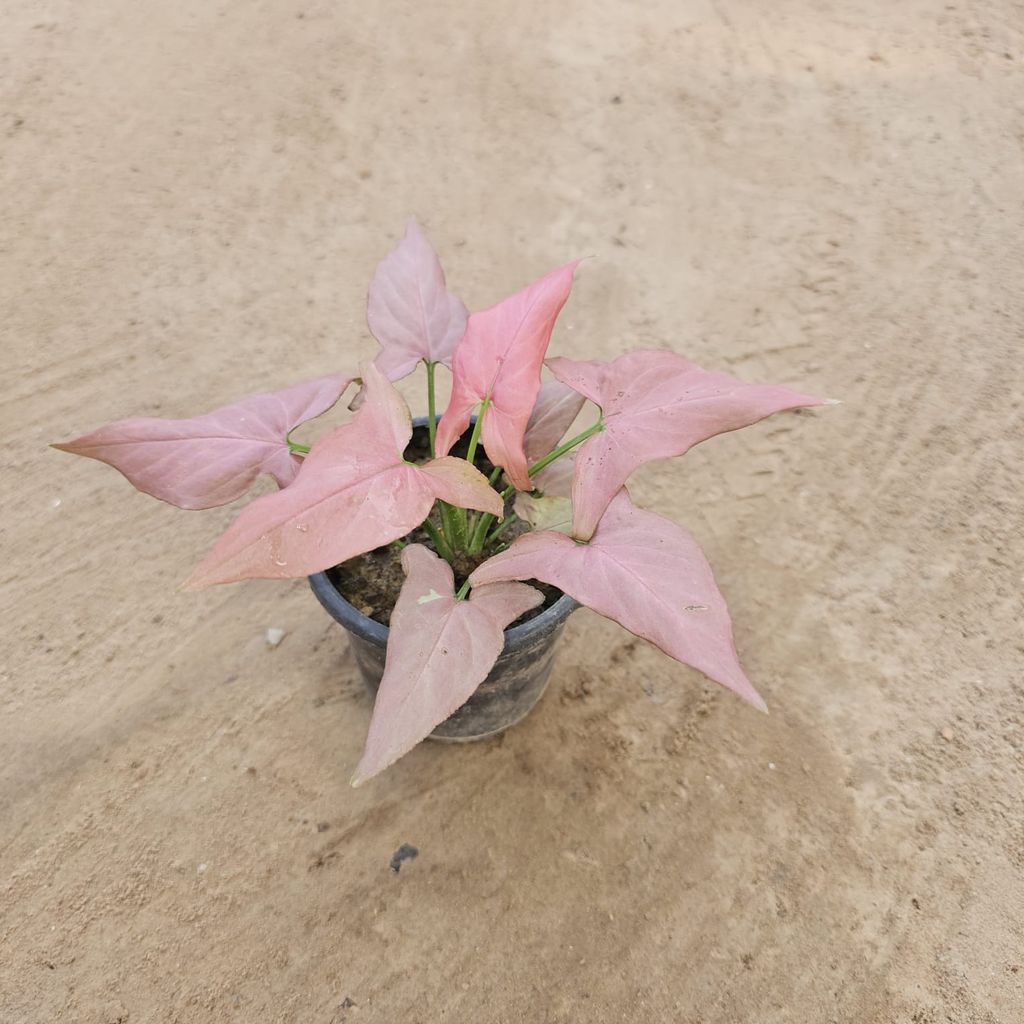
<point x="823" y="195"/>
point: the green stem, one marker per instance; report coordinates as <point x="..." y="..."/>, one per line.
<point x="431" y="406"/>
<point x="455" y="526"/>
<point x="474" y="438"/>
<point x="442" y="545"/>
<point x="447" y="519"/>
<point x="480" y="540"/>
<point x="475" y="517"/>
<point x="551" y="456"/>
<point x="563" y="448"/>
<point x="456" y="520"/>
<point x="476" y="541"/>
<point x="298" y="449"/>
<point x="501" y="528"/>
<point x="463" y="591"/>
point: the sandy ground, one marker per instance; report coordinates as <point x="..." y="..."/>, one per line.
<point x="826" y="195"/>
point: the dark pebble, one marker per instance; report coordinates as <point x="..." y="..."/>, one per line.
<point x="404" y="852"/>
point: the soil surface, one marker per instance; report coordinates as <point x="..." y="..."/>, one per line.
<point x="371" y="582"/>
<point x="823" y="195"/>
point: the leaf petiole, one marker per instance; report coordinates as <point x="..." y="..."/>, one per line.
<point x="295" y="448"/>
<point x="500" y="529"/>
<point x="440" y="542"/>
<point x="475" y="517"/>
<point x="431" y="406"/>
<point x="479" y="539"/>
<point x="476" y="540"/>
<point x="563" y="448"/>
<point x="559" y="451"/>
<point x="474" y="438"/>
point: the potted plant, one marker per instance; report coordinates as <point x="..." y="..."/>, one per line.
<point x="486" y="503"/>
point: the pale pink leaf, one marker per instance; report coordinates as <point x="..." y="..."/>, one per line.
<point x="544" y="513"/>
<point x="655" y="404"/>
<point x="504" y="602"/>
<point x="455" y="481"/>
<point x="499" y="358"/>
<point x="439" y="651"/>
<point x="212" y="459"/>
<point x="410" y="310"/>
<point x="556" y="407"/>
<point x="646" y="573"/>
<point x="353" y="493"/>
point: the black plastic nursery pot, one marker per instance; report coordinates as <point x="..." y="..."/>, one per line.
<point x="505" y="697"/>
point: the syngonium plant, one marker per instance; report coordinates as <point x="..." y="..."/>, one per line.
<point x="354" y="490"/>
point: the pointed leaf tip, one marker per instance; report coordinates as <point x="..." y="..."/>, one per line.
<point x="212" y="459"/>
<point x="438" y="652"/>
<point x="499" y="359"/>
<point x="410" y="310"/>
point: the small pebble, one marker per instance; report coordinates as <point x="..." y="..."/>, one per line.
<point x="947" y="734"/>
<point x="771" y="766"/>
<point x="201" y="869"/>
<point x="274" y="636"/>
<point x="56" y="503"/>
<point x="405" y="852"/>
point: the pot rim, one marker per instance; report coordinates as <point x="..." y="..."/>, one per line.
<point x="369" y="629"/>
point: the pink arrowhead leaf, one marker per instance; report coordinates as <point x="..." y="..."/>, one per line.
<point x="499" y="359"/>
<point x="211" y="459"/>
<point x="353" y="493"/>
<point x="439" y="651"/>
<point x="556" y="407"/>
<point x="646" y="573"/>
<point x="655" y="405"/>
<point x="410" y="310"/>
